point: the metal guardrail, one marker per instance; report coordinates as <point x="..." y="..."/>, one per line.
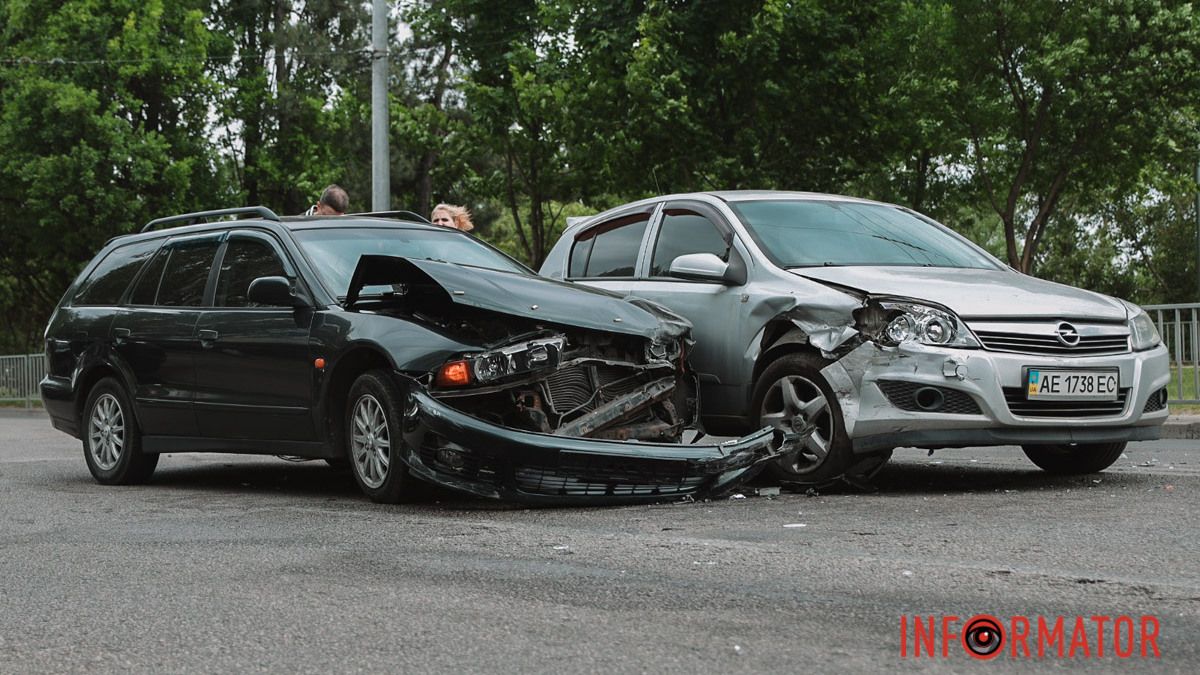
<point x="1179" y="326"/>
<point x="19" y="377"/>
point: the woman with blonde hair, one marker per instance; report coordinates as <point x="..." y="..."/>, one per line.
<point x="449" y="215"/>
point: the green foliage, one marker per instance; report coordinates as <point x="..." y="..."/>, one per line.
<point x="103" y="128"/>
<point x="1062" y="136"/>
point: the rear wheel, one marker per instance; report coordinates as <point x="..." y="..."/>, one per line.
<point x="792" y="396"/>
<point x="374" y="441"/>
<point x="1068" y="459"/>
<point x="112" y="442"/>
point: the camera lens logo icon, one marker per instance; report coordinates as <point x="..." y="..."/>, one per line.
<point x="982" y="637"/>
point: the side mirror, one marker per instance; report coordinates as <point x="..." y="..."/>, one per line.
<point x="274" y="292"/>
<point x="700" y="267"/>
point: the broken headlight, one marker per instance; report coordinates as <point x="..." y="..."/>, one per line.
<point x="668" y="350"/>
<point x="496" y="364"/>
<point x="894" y="322"/>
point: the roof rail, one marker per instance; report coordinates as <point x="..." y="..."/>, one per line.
<point x="407" y="215"/>
<point x="191" y="218"/>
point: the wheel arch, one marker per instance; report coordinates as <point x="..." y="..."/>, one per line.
<point x="91" y="375"/>
<point x="345" y="371"/>
<point x="780" y="338"/>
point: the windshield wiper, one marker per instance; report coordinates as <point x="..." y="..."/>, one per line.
<point x="902" y="243"/>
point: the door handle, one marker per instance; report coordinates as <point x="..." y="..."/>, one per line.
<point x="207" y="337"/>
<point x="120" y="335"/>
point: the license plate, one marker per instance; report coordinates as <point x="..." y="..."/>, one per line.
<point x="1044" y="384"/>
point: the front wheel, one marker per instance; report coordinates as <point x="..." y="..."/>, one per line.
<point x="112" y="442"/>
<point x="1072" y="459"/>
<point x="793" y="397"/>
<point x="374" y="441"/>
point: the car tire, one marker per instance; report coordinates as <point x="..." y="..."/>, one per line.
<point x="112" y="442"/>
<point x="373" y="439"/>
<point x="1072" y="459"/>
<point x="791" y="395"/>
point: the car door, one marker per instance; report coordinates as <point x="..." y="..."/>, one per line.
<point x="606" y="255"/>
<point x="718" y="311"/>
<point x="153" y="333"/>
<point x="254" y="369"/>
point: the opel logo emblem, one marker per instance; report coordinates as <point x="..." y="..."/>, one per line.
<point x="1067" y="334"/>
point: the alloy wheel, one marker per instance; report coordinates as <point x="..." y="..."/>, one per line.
<point x="796" y="406"/>
<point x="106" y="432"/>
<point x="370" y="442"/>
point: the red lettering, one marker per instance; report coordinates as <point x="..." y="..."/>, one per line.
<point x="1020" y="636"/>
<point x="920" y="634"/>
<point x="1100" y="621"/>
<point x="1150" y="637"/>
<point x="1050" y="638"/>
<point x="947" y="636"/>
<point x="903" y="636"/>
<point x="1079" y="639"/>
<point x="1127" y="623"/>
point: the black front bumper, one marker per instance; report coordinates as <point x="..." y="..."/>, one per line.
<point x="454" y="450"/>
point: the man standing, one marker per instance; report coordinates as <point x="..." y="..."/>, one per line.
<point x="333" y="202"/>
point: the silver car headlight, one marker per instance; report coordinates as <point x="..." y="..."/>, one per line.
<point x="915" y="322"/>
<point x="1143" y="334"/>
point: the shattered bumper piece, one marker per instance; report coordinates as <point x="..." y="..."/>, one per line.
<point x="457" y="451"/>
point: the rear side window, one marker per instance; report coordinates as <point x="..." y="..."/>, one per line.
<point x="107" y="283"/>
<point x="146" y="288"/>
<point x="609" y="250"/>
<point x="683" y="232"/>
<point x="245" y="260"/>
<point x="186" y="274"/>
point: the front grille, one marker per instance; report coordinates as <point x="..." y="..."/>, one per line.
<point x="903" y="395"/>
<point x="1156" y="402"/>
<point x="1019" y="406"/>
<point x="1027" y="343"/>
<point x="548" y="481"/>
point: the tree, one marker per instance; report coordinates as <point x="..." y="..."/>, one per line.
<point x="284" y="68"/>
<point x="104" y="113"/>
<point x="1062" y="98"/>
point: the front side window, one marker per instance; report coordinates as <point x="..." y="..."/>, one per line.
<point x="684" y="232"/>
<point x="610" y="249"/>
<point x="804" y="233"/>
<point x="186" y="273"/>
<point x="245" y="260"/>
<point x="107" y="283"/>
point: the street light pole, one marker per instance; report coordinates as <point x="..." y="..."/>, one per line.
<point x="380" y="179"/>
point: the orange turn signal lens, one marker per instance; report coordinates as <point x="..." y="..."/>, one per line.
<point x="454" y="374"/>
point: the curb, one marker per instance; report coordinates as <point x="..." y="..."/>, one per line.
<point x="1182" y="427"/>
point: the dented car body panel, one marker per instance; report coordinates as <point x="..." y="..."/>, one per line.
<point x="839" y="297"/>
<point x="480" y="374"/>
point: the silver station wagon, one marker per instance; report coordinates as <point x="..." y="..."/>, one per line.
<point x="857" y="327"/>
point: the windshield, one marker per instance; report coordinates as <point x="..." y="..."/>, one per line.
<point x="795" y="233"/>
<point x="334" y="252"/>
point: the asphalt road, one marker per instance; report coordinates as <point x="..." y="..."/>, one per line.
<point x="246" y="564"/>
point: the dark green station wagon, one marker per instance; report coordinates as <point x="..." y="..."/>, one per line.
<point x="411" y="352"/>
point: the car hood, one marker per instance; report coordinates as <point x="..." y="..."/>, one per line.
<point x="520" y="295"/>
<point x="974" y="292"/>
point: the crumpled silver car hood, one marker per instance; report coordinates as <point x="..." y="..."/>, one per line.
<point x="975" y="292"/>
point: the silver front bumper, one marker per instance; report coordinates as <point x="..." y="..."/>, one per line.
<point x="873" y="421"/>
